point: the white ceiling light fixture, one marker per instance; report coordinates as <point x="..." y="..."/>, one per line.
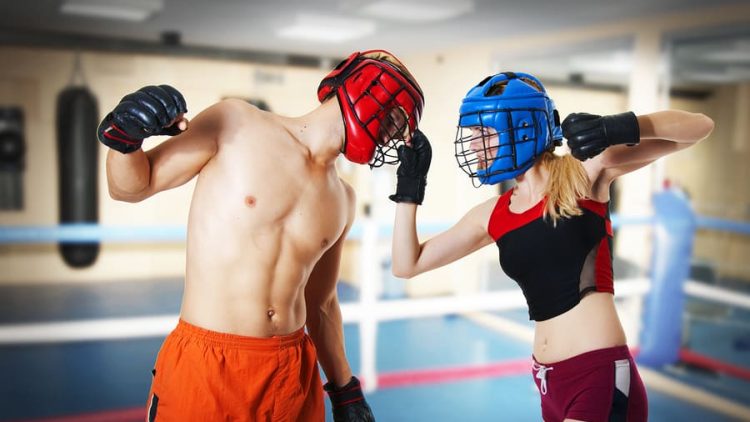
<point x="418" y="10"/>
<point x="613" y="62"/>
<point x="737" y="51"/>
<point x="125" y="10"/>
<point x="326" y="28"/>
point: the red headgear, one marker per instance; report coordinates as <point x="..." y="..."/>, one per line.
<point x="370" y="86"/>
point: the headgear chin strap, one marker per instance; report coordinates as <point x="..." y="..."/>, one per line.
<point x="523" y="120"/>
<point x="380" y="102"/>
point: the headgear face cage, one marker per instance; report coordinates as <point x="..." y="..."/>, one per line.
<point x="380" y="102"/>
<point x="505" y="123"/>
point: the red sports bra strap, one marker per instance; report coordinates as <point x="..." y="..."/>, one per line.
<point x="494" y="226"/>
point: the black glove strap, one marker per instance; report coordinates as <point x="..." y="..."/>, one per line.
<point x="346" y="395"/>
<point x="409" y="189"/>
<point x="112" y="136"/>
<point x="622" y="128"/>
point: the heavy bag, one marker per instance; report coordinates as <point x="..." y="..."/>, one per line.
<point x="78" y="163"/>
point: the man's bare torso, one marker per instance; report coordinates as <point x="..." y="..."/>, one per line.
<point x="262" y="215"/>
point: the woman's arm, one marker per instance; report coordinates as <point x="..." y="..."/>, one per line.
<point x="661" y="133"/>
<point x="611" y="146"/>
<point x="410" y="257"/>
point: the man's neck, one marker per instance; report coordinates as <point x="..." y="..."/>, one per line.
<point x="321" y="131"/>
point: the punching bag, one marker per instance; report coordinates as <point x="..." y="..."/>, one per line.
<point x="674" y="231"/>
<point x="78" y="163"/>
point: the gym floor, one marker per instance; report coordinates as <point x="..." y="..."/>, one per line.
<point x="430" y="369"/>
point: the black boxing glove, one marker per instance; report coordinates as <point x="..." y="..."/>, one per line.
<point x="412" y="172"/>
<point x="152" y="110"/>
<point x="348" y="402"/>
<point x="589" y="134"/>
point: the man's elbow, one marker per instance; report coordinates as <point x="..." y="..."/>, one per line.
<point x="402" y="272"/>
<point x="118" y="195"/>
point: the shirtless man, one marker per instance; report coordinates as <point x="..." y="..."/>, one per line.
<point x="267" y="224"/>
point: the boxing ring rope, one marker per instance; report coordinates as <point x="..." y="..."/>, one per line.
<point x="159" y="325"/>
<point x="367" y="312"/>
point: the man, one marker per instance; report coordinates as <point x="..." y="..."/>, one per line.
<point x="267" y="224"/>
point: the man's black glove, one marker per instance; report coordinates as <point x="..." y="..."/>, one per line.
<point x="152" y="110"/>
<point x="348" y="402"/>
<point x="412" y="172"/>
<point x="590" y="134"/>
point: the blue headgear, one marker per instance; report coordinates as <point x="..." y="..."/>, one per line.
<point x="524" y="118"/>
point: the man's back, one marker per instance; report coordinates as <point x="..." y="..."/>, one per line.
<point x="263" y="213"/>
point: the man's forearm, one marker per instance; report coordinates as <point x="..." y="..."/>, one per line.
<point x="324" y="324"/>
<point x="128" y="175"/>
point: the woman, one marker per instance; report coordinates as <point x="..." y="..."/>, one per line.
<point x="552" y="229"/>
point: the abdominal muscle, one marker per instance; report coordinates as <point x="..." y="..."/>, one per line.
<point x="244" y="306"/>
<point x="592" y="324"/>
<point x="245" y="282"/>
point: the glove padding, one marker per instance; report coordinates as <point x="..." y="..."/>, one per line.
<point x="590" y="134"/>
<point x="152" y="110"/>
<point x="412" y="172"/>
<point x="348" y="402"/>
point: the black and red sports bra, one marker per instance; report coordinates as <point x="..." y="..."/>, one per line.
<point x="554" y="265"/>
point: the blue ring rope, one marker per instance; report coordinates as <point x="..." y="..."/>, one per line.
<point x="86" y="233"/>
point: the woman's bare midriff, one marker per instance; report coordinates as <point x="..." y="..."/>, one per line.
<point x="592" y="324"/>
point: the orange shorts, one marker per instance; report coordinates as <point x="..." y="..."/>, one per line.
<point x="203" y="375"/>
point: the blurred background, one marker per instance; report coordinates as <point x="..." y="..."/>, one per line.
<point x="89" y="286"/>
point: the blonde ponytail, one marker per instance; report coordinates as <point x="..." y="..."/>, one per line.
<point x="567" y="183"/>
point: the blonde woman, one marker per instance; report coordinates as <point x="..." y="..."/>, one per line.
<point x="552" y="229"/>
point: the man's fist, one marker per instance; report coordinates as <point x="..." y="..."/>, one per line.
<point x="152" y="110"/>
<point x="349" y="403"/>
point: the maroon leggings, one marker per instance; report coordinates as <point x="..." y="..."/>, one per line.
<point x="598" y="386"/>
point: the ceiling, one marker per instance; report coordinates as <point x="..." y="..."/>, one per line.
<point x="263" y="29"/>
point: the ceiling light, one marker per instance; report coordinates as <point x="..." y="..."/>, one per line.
<point x="734" y="52"/>
<point x="127" y="10"/>
<point x="325" y="28"/>
<point x="615" y="62"/>
<point x="418" y="11"/>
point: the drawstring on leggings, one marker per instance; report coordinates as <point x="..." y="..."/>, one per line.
<point x="542" y="375"/>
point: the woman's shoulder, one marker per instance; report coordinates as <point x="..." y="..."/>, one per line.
<point x="482" y="211"/>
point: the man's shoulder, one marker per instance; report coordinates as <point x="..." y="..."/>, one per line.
<point x="234" y="115"/>
<point x="235" y="107"/>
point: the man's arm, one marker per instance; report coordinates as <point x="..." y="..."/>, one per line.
<point x="324" y="323"/>
<point x="135" y="176"/>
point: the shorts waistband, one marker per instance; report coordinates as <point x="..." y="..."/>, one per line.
<point x="186" y="329"/>
<point x="586" y="360"/>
